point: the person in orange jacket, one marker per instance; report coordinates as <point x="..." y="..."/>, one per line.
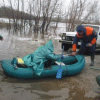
<point x="88" y="37"/>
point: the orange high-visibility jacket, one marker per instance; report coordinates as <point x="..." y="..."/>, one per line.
<point x="89" y="37"/>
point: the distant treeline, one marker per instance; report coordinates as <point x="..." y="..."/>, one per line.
<point x="6" y="12"/>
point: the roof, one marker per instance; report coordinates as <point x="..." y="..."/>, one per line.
<point x="91" y="25"/>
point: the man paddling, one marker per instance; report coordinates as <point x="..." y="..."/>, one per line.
<point x="88" y="37"/>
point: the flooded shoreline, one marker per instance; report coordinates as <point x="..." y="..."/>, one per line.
<point x="78" y="87"/>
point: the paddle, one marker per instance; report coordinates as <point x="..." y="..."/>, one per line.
<point x="59" y="72"/>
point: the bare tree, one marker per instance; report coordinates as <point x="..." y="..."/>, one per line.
<point x="58" y="18"/>
<point x="30" y="20"/>
<point x="17" y="18"/>
<point x="48" y="10"/>
<point x="90" y="10"/>
<point x="5" y="9"/>
<point x="44" y="11"/>
<point x="13" y="16"/>
<point x="37" y="4"/>
<point x="79" y="11"/>
<point x="22" y="21"/>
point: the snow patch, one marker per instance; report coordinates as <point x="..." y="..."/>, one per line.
<point x="24" y="39"/>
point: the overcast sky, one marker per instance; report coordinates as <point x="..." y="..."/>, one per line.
<point x="65" y="3"/>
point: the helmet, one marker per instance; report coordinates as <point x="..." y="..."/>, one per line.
<point x="80" y="28"/>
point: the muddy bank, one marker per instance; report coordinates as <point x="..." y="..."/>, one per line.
<point x="78" y="87"/>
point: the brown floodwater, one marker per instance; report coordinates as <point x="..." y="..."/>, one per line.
<point x="78" y="87"/>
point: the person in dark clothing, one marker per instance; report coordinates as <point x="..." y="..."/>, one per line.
<point x="88" y="37"/>
<point x="1" y="38"/>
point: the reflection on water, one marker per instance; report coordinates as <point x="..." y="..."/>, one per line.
<point x="67" y="88"/>
<point x="77" y="87"/>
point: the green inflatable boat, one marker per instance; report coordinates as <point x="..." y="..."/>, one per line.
<point x="71" y="65"/>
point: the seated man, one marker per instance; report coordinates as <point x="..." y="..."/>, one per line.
<point x="40" y="56"/>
